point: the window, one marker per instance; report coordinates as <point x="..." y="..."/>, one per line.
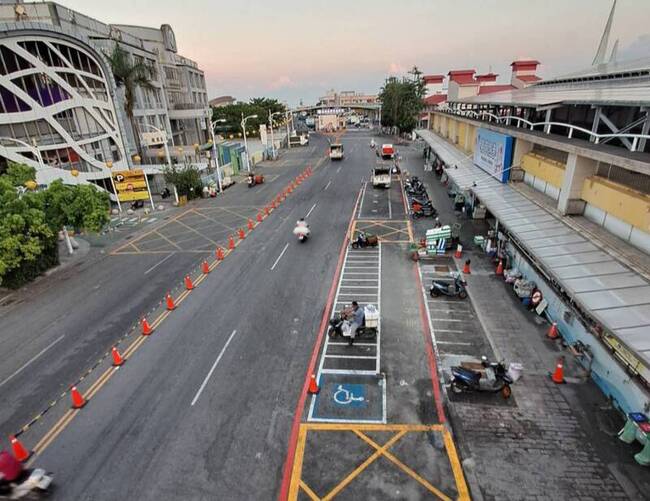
<point x="11" y="62"/>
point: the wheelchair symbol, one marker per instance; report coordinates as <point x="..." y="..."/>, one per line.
<point x="344" y="396"/>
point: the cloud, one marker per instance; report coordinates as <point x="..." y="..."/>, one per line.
<point x="282" y="82"/>
<point x="396" y="69"/>
<point x="639" y="48"/>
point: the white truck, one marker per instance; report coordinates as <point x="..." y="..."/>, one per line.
<point x="381" y="177"/>
<point x="336" y="151"/>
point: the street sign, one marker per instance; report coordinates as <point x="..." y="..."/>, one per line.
<point x="130" y="185"/>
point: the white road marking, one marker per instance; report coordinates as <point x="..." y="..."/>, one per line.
<point x="6" y="297"/>
<point x="363" y="195"/>
<point x="32" y="359"/>
<point x="214" y="366"/>
<point x="390" y="208"/>
<point x="337" y="170"/>
<point x="455" y="342"/>
<point x="327" y="185"/>
<point x="158" y="263"/>
<point x="279" y="257"/>
<point x="310" y="210"/>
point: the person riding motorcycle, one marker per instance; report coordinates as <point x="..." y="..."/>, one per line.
<point x="302" y="228"/>
<point x="358" y="317"/>
<point x="372" y="143"/>
<point x="10" y="471"/>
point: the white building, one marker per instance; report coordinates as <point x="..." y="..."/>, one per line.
<point x="59" y="96"/>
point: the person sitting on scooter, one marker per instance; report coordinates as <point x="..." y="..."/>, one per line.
<point x="10" y="470"/>
<point x="358" y="317"/>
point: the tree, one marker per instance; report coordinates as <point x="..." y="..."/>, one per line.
<point x="186" y="179"/>
<point x="402" y="100"/>
<point x="260" y="106"/>
<point x="130" y="75"/>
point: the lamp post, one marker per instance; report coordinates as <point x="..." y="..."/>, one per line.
<point x="215" y="154"/>
<point x="243" y="126"/>
<point x="169" y="163"/>
<point x="109" y="166"/>
<point x="271" y="115"/>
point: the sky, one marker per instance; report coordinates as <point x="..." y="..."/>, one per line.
<point x="297" y="50"/>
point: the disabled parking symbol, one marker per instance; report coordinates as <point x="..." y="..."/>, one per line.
<point x="350" y="395"/>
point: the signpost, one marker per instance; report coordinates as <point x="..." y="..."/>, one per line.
<point x="131" y="185"/>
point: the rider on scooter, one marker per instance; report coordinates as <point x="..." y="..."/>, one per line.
<point x="358" y="317"/>
<point x="10" y="470"/>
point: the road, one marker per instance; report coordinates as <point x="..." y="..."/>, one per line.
<point x="204" y="408"/>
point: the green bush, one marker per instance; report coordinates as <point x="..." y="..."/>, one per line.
<point x="187" y="180"/>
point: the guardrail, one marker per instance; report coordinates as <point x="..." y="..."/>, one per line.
<point x="593" y="136"/>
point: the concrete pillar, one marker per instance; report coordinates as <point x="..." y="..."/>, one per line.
<point x="521" y="148"/>
<point x="468" y="133"/>
<point x="577" y="170"/>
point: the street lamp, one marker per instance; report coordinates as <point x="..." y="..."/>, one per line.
<point x="271" y="115"/>
<point x="109" y="166"/>
<point x="214" y="150"/>
<point x="243" y="126"/>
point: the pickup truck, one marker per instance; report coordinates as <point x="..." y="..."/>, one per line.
<point x="381" y="177"/>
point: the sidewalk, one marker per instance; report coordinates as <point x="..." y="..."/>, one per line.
<point x="549" y="441"/>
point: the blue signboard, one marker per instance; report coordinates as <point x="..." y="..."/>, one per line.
<point x="493" y="154"/>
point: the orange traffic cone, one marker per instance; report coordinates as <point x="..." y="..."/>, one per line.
<point x="205" y="267"/>
<point x="220" y="254"/>
<point x="250" y="224"/>
<point x="146" y="328"/>
<point x="459" y="251"/>
<point x="466" y="269"/>
<point x="553" y="332"/>
<point x="231" y="242"/>
<point x="266" y="210"/>
<point x="188" y="283"/>
<point x="170" y="302"/>
<point x="273" y="204"/>
<point x="259" y="217"/>
<point x="313" y="385"/>
<point x="558" y="375"/>
<point x="117" y="358"/>
<point x="78" y="401"/>
<point x="242" y="235"/>
<point x="500" y="267"/>
<point x="18" y="449"/>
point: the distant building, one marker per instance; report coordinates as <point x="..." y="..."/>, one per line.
<point x="221" y="101"/>
<point x="61" y="97"/>
<point x="347" y="98"/>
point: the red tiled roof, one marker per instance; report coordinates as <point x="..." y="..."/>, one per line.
<point x="525" y="62"/>
<point x="528" y="78"/>
<point x="435" y="99"/>
<point x="487" y="77"/>
<point x="433" y="78"/>
<point x="489" y="89"/>
<point x="462" y="76"/>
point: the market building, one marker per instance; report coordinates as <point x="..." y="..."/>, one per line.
<point x="62" y="112"/>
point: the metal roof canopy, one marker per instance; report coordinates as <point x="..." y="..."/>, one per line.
<point x="613" y="294"/>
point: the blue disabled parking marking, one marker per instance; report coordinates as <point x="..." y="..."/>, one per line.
<point x="349" y="398"/>
<point x="350" y="395"/>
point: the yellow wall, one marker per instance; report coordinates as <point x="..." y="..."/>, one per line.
<point x="461" y="134"/>
<point x="544" y="168"/>
<point x="627" y="204"/>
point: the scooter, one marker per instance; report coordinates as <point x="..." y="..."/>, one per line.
<point x="423" y="210"/>
<point x="302" y="232"/>
<point x="468" y="380"/>
<point x="251" y="181"/>
<point x="35" y="482"/>
<point x="456" y="288"/>
<point x="340" y="326"/>
<point x="364" y="240"/>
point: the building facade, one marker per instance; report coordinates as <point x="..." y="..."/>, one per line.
<point x="62" y="112"/>
<point x="347" y="98"/>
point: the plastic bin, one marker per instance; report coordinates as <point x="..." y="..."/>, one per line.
<point x="371" y="315"/>
<point x="514" y="371"/>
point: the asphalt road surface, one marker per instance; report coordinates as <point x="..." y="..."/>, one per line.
<point x="204" y="408"/>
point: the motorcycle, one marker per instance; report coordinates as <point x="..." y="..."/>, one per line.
<point x="340" y="325"/>
<point x="423" y="210"/>
<point x="251" y="180"/>
<point x="372" y="145"/>
<point x="469" y="380"/>
<point x="456" y="288"/>
<point x="302" y="231"/>
<point x="364" y="240"/>
<point x="33" y="482"/>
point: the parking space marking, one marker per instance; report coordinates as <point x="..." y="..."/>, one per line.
<point x="158" y="263"/>
<point x="229" y="228"/>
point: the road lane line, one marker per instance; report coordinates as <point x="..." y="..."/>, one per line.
<point x="32" y="360"/>
<point x="327" y="185"/>
<point x="158" y="264"/>
<point x="214" y="366"/>
<point x="310" y="210"/>
<point x="280" y="257"/>
<point x="390" y="208"/>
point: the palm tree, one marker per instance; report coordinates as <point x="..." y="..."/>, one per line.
<point x="130" y="75"/>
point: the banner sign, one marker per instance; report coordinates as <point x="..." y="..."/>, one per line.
<point x="130" y="185"/>
<point x="154" y="138"/>
<point x="493" y="154"/>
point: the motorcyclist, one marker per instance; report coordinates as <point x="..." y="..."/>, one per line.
<point x="10" y="470"/>
<point x="372" y="143"/>
<point x="358" y="316"/>
<point x="302" y="228"/>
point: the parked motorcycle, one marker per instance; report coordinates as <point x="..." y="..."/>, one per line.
<point x="34" y="483"/>
<point x="455" y="288"/>
<point x="469" y="380"/>
<point x="423" y="210"/>
<point x="365" y="240"/>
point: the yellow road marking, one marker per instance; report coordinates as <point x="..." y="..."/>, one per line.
<point x="409" y="226"/>
<point x="99" y="383"/>
<point x="178" y="221"/>
<point x="403" y="467"/>
<point x="213" y="220"/>
<point x="461" y="485"/>
<point x="309" y="492"/>
<point x="55" y="431"/>
<point x="297" y="463"/>
<point x="160" y="318"/>
<point x="168" y="240"/>
<point x="372" y="427"/>
<point x="363" y="466"/>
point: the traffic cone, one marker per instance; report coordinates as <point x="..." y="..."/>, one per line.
<point x="466" y="268"/>
<point x="259" y="217"/>
<point x="553" y="332"/>
<point x="231" y="242"/>
<point x="500" y="267"/>
<point x="273" y="204"/>
<point x="117" y="358"/>
<point x="558" y="375"/>
<point x="78" y="401"/>
<point x="188" y="283"/>
<point x="205" y="267"/>
<point x="18" y="449"/>
<point x="266" y="210"/>
<point x="242" y="235"/>
<point x="170" y="302"/>
<point x="313" y="386"/>
<point x="146" y="328"/>
<point x="250" y="224"/>
<point x="459" y="251"/>
<point x="220" y="254"/>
